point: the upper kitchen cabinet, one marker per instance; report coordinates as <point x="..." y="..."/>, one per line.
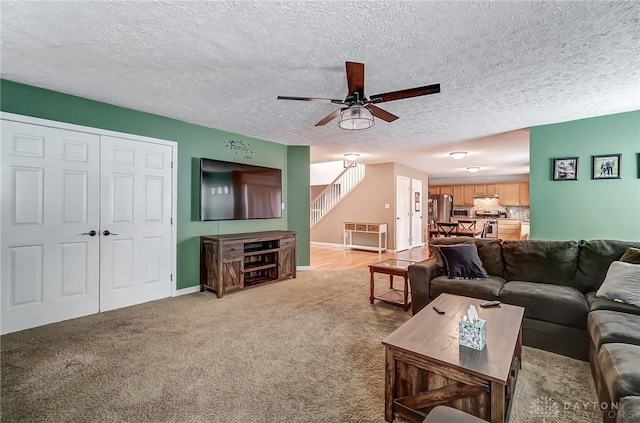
<point x="523" y="193"/>
<point x="467" y="195"/>
<point x="486" y="189"/>
<point x="508" y="194"/>
<point x="463" y="195"/>
<point x="446" y="189"/>
<point x="434" y="190"/>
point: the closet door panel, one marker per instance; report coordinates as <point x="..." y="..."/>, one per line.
<point x="50" y="203"/>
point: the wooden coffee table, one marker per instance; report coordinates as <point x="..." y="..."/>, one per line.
<point x="425" y="366"/>
<point x="394" y="296"/>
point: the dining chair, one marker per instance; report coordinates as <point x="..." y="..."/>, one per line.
<point x="447" y="229"/>
<point x="467" y="224"/>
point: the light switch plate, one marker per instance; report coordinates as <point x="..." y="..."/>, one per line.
<point x="386" y="206"/>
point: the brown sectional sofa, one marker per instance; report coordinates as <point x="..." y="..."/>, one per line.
<point x="556" y="282"/>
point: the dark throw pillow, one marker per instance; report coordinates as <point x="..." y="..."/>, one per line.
<point x="463" y="261"/>
<point x="632" y="255"/>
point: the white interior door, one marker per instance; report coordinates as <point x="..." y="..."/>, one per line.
<point x="50" y="204"/>
<point x="416" y="213"/>
<point x="135" y="241"/>
<point x="403" y="213"/>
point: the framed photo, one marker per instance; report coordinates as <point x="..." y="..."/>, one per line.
<point x="638" y="159"/>
<point x="606" y="166"/>
<point x="565" y="169"/>
<point x="416" y="201"/>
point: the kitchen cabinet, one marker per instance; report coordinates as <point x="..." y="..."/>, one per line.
<point x="467" y="195"/>
<point x="486" y="189"/>
<point x="446" y="189"/>
<point x="508" y="194"/>
<point x="458" y="195"/>
<point x="491" y="189"/>
<point x="508" y="229"/>
<point x="523" y="193"/>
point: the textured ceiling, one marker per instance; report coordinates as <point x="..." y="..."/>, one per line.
<point x="503" y="66"/>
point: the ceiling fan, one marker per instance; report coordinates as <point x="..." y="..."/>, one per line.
<point x="358" y="110"/>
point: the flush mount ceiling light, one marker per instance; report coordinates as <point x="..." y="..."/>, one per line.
<point x="356" y="117"/>
<point x="458" y="154"/>
<point x="473" y="169"/>
<point x="352" y="157"/>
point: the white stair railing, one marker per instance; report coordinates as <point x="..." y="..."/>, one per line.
<point x="336" y="191"/>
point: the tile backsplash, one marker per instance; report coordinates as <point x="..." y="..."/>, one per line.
<point x="491" y="204"/>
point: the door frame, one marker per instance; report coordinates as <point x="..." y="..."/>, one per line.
<point x="417" y="213"/>
<point x="97" y="131"/>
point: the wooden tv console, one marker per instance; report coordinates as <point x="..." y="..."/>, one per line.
<point x="236" y="261"/>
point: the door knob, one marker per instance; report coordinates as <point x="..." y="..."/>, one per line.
<point x="107" y="233"/>
<point x="90" y="233"/>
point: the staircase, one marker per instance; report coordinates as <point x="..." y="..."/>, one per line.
<point x="336" y="191"/>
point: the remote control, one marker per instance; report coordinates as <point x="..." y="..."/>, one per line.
<point x="491" y="304"/>
<point x="438" y="310"/>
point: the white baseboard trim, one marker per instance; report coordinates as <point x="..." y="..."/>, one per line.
<point x="303" y="267"/>
<point x="326" y="244"/>
<point x="185" y="291"/>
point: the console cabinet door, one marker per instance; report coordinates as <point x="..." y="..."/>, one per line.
<point x="232" y="274"/>
<point x="287" y="263"/>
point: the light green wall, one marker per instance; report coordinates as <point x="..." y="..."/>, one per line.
<point x="298" y="183"/>
<point x="194" y="142"/>
<point x="586" y="208"/>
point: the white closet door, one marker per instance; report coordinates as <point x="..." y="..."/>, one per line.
<point x="135" y="225"/>
<point x="403" y="213"/>
<point x="50" y="203"/>
<point x="416" y="213"/>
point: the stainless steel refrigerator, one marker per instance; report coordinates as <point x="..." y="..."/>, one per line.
<point x="440" y="208"/>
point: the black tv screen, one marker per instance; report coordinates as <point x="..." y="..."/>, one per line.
<point x="235" y="191"/>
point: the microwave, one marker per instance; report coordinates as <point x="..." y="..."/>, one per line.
<point x="462" y="212"/>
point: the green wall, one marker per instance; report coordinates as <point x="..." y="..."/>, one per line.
<point x="298" y="183"/>
<point x="586" y="208"/>
<point x="194" y="142"/>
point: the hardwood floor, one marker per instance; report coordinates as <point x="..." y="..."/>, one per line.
<point x="323" y="257"/>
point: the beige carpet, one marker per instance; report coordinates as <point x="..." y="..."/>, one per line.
<point x="302" y="350"/>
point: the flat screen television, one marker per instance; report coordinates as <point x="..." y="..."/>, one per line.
<point x="236" y="191"/>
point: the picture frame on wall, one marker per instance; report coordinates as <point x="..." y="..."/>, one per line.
<point x="606" y="166"/>
<point x="638" y="167"/>
<point x="565" y="169"/>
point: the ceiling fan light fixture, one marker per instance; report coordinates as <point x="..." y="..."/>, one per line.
<point x="458" y="154"/>
<point x="473" y="169"/>
<point x="356" y="117"/>
<point x="352" y="157"/>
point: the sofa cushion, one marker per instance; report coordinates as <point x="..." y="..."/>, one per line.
<point x="595" y="258"/>
<point x="622" y="283"/>
<point x="618" y="365"/>
<point x="489" y="251"/>
<point x="558" y="304"/>
<point x="462" y="261"/>
<point x="608" y="327"/>
<point x="549" y="262"/>
<point x="596" y="303"/>
<point x="486" y="289"/>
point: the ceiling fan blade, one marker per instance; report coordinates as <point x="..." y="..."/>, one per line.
<point x="355" y="78"/>
<point x="329" y="118"/>
<point x="382" y="114"/>
<point x="411" y="92"/>
<point x="320" y="100"/>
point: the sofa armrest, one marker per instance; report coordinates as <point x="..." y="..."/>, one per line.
<point x="420" y="276"/>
